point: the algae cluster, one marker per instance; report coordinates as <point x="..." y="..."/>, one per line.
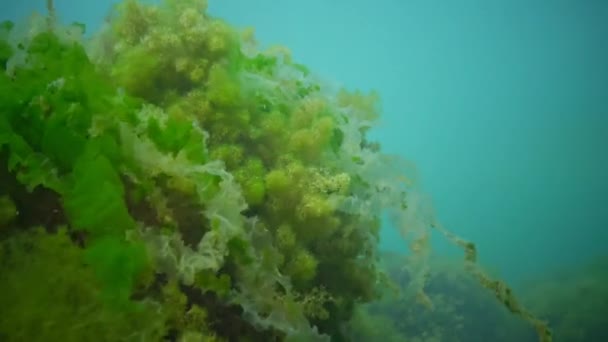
<point x="165" y="180"/>
<point x="573" y="300"/>
<point x="460" y="310"/>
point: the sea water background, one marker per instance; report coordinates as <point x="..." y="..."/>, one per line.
<point x="503" y="106"/>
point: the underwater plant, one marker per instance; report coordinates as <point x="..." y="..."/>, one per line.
<point x="574" y="300"/>
<point x="167" y="174"/>
<point x="458" y="309"/>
